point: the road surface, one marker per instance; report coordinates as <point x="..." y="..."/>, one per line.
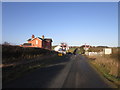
<point x="73" y="72"/>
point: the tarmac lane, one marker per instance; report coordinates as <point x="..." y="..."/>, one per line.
<point x="82" y="75"/>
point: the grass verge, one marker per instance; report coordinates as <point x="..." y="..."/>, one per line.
<point x="104" y="72"/>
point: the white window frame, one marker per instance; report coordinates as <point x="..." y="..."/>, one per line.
<point x="36" y="42"/>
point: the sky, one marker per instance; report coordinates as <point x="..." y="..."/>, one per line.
<point x="76" y="23"/>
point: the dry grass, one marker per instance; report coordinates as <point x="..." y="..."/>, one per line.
<point x="109" y="65"/>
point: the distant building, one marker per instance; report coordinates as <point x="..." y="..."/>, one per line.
<point x="62" y="48"/>
<point x="38" y="42"/>
<point x="86" y="47"/>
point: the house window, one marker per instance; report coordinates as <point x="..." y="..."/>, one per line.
<point x="36" y="41"/>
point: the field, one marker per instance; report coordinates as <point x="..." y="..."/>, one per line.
<point x="72" y="49"/>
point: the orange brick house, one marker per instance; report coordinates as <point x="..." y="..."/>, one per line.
<point x="39" y="42"/>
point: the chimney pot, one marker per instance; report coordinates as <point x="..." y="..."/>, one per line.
<point x="33" y="36"/>
<point x="42" y="36"/>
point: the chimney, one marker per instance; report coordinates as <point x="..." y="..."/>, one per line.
<point x="42" y="36"/>
<point x="33" y="36"/>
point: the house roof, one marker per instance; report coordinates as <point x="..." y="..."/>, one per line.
<point x="46" y="39"/>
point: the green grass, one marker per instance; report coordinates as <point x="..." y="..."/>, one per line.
<point x="71" y="50"/>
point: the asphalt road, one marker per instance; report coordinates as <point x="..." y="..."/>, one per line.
<point x="73" y="72"/>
